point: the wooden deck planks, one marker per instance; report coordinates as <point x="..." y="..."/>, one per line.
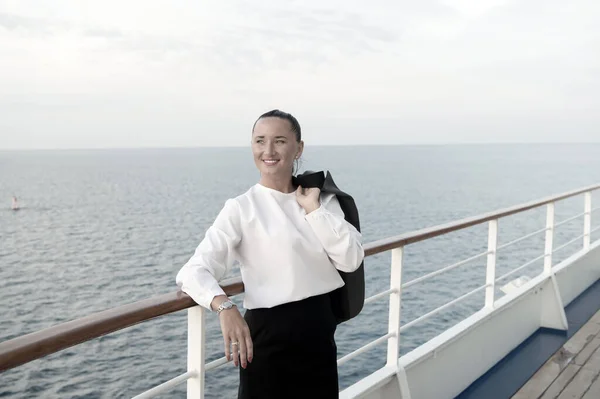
<point x="571" y="373"/>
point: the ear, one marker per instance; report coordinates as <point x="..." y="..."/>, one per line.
<point x="300" y="149"/>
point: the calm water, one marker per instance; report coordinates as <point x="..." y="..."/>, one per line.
<point x="104" y="228"/>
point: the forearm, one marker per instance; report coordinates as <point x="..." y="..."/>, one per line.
<point x="341" y="241"/>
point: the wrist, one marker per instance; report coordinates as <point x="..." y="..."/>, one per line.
<point x="312" y="207"/>
<point x="225" y="305"/>
<point x="217" y="301"/>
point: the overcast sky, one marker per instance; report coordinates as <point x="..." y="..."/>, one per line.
<point x="89" y="73"/>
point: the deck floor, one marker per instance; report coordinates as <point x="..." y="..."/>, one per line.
<point x="571" y="373"/>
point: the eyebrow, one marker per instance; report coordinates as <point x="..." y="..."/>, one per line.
<point x="277" y="137"/>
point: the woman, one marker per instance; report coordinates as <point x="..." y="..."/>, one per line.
<point x="289" y="242"/>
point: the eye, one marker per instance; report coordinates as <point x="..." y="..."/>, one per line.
<point x="259" y="141"/>
<point x="280" y="141"/>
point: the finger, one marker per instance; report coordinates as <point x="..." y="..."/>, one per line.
<point x="317" y="194"/>
<point x="243" y="353"/>
<point x="249" y="347"/>
<point x="227" y="352"/>
<point x="235" y="345"/>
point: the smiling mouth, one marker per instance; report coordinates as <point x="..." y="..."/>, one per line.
<point x="271" y="162"/>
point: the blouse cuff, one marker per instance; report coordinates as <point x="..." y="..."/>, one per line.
<point x="202" y="294"/>
<point x="321" y="221"/>
<point x="316" y="213"/>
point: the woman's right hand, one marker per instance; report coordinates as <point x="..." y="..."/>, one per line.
<point x="236" y="336"/>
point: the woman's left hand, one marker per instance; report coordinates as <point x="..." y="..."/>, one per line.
<point x="308" y="198"/>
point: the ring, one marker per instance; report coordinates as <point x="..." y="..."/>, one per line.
<point x="235" y="343"/>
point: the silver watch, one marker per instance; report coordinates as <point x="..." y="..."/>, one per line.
<point x="225" y="305"/>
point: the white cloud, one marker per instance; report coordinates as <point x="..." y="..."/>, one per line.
<point x="155" y="73"/>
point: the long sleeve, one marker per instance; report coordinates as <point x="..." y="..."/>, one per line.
<point x="213" y="257"/>
<point x="341" y="240"/>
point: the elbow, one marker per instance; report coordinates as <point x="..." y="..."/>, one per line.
<point x="180" y="277"/>
<point x="353" y="259"/>
<point x="358" y="253"/>
<point x="185" y="275"/>
<point x="359" y="257"/>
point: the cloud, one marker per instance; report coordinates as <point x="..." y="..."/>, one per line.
<point x="72" y="70"/>
<point x="29" y="26"/>
<point x="264" y="38"/>
<point x="103" y="33"/>
<point x="12" y="22"/>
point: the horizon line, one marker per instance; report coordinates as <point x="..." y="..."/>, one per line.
<point x="312" y="145"/>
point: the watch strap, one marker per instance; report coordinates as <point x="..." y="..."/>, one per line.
<point x="228" y="304"/>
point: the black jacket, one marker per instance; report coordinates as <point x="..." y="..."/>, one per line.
<point x="347" y="301"/>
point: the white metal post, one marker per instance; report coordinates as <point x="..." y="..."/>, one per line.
<point x="549" y="238"/>
<point x="490" y="276"/>
<point x="196" y="352"/>
<point x="395" y="306"/>
<point x="587" y="220"/>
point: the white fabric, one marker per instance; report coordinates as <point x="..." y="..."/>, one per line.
<point x="285" y="255"/>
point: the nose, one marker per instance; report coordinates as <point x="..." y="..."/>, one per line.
<point x="269" y="148"/>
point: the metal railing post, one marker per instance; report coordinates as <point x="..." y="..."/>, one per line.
<point x="587" y="220"/>
<point x="395" y="307"/>
<point x="196" y="352"/>
<point x="549" y="238"/>
<point x="490" y="276"/>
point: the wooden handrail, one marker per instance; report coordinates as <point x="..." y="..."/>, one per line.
<point x="387" y="244"/>
<point x="26" y="348"/>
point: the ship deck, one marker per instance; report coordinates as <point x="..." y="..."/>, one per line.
<point x="551" y="363"/>
<point x="573" y="371"/>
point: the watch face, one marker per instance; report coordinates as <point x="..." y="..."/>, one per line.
<point x="227" y="305"/>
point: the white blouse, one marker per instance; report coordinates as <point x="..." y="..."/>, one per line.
<point x="285" y="255"/>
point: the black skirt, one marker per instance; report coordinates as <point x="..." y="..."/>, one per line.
<point x="295" y="355"/>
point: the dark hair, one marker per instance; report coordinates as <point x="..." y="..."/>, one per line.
<point x="283" y="115"/>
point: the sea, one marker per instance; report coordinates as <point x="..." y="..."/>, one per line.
<point x="103" y="228"/>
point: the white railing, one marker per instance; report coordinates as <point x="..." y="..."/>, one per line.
<point x="196" y="321"/>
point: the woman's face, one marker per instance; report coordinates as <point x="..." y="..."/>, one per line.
<point x="274" y="147"/>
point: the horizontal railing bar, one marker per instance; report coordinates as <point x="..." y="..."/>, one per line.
<point x="216" y="363"/>
<point x="365" y="348"/>
<point x="445" y="269"/>
<point x="38" y="344"/>
<point x="595" y="229"/>
<point x="569" y="219"/>
<point x="595" y="209"/>
<point x="568" y="243"/>
<point x="520" y="268"/>
<point x="410" y="238"/>
<point x="521" y="239"/>
<point x="20" y="350"/>
<point x="447" y="305"/>
<point x="380" y="295"/>
<point x="166" y="386"/>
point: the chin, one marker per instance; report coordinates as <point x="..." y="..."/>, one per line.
<point x="275" y="172"/>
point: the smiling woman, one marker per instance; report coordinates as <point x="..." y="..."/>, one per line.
<point x="290" y="243"/>
<point x="277" y="145"/>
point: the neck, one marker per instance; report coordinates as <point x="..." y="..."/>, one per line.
<point x="283" y="184"/>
